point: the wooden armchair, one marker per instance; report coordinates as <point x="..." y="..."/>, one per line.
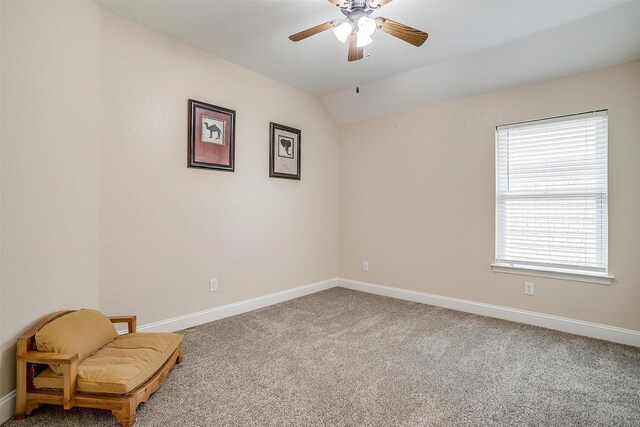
<point x="123" y="406"/>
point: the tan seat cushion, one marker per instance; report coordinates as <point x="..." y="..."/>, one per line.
<point x="82" y="332"/>
<point x="120" y="366"/>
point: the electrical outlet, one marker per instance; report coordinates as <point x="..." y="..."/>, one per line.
<point x="365" y="265"/>
<point x="213" y="285"/>
<point x="528" y="288"/>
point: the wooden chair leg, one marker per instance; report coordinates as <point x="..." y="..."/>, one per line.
<point x="70" y="379"/>
<point x="25" y="410"/>
<point x="24" y="407"/>
<point x="31" y="407"/>
<point x="126" y="415"/>
<point x="21" y="390"/>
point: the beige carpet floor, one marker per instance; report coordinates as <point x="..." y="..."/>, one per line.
<point x="345" y="358"/>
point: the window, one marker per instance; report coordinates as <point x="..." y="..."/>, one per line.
<point x="551" y="197"/>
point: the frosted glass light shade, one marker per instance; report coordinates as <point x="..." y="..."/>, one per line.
<point x="366" y="26"/>
<point x="363" y="39"/>
<point x="343" y="31"/>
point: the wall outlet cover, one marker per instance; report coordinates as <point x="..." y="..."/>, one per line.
<point x="529" y="288"/>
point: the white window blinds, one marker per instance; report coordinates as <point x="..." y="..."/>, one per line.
<point x="551" y="193"/>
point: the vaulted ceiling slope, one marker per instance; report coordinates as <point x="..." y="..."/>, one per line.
<point x="474" y="47"/>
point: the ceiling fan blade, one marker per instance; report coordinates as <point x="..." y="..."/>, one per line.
<point x="311" y="31"/>
<point x="355" y="52"/>
<point x="377" y="4"/>
<point x="401" y="31"/>
<point x="340" y="3"/>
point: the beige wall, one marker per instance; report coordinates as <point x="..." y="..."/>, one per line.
<point x="49" y="162"/>
<point x="99" y="210"/>
<point x="166" y="229"/>
<point x="417" y="198"/>
<point x="2" y="346"/>
<point x="98" y="206"/>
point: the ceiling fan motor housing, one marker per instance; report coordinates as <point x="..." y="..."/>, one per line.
<point x="358" y="4"/>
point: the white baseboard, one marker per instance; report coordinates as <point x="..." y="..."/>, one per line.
<point x="7" y="406"/>
<point x="572" y="326"/>
<point x="7" y="403"/>
<point x="216" y="313"/>
<point x="578" y="327"/>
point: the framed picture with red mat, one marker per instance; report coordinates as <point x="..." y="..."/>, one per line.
<point x="211" y="136"/>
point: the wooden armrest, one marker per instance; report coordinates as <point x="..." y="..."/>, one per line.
<point x="69" y="364"/>
<point x="47" y="358"/>
<point x="129" y="320"/>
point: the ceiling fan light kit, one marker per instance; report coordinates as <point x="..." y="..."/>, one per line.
<point x="343" y="31"/>
<point x="358" y="27"/>
<point x="366" y="26"/>
<point x="363" y="40"/>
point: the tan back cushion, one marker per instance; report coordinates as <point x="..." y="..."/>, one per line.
<point x="82" y="332"/>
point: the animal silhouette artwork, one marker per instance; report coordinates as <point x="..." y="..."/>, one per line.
<point x="213" y="128"/>
<point x="285" y="147"/>
<point x="212" y="131"/>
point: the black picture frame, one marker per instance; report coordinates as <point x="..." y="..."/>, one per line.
<point x="211" y="136"/>
<point x="284" y="151"/>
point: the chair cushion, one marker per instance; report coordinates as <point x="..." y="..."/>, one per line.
<point x="120" y="366"/>
<point x="82" y="332"/>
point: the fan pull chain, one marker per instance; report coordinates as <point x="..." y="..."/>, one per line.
<point x="357" y="78"/>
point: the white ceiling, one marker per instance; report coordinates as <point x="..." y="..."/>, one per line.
<point x="473" y="47"/>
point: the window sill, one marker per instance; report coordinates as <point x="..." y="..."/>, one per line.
<point x="575" y="276"/>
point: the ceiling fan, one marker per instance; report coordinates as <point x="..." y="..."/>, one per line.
<point x="358" y="26"/>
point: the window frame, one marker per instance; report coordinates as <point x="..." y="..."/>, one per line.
<point x="548" y="270"/>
